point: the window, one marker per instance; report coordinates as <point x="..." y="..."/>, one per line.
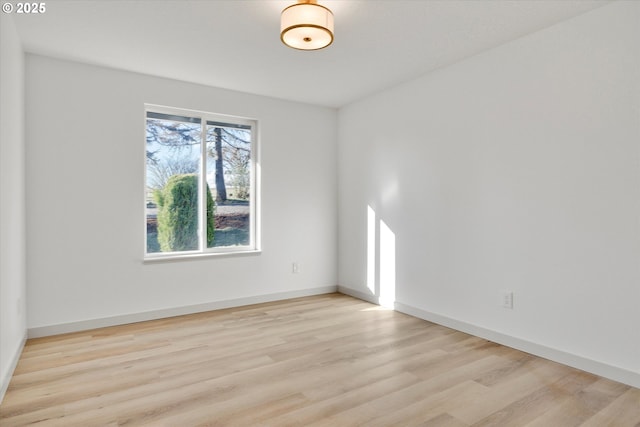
<point x="200" y="189"/>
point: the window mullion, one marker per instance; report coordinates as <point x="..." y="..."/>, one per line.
<point x="202" y="186"/>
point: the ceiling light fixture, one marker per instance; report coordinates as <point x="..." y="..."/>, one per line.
<point x="306" y="25"/>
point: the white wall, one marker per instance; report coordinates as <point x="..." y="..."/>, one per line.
<point x="12" y="201"/>
<point x="85" y="193"/>
<point x="516" y="169"/>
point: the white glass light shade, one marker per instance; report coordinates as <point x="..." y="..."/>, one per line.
<point x="306" y="26"/>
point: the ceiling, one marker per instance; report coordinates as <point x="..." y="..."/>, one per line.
<point x="235" y="44"/>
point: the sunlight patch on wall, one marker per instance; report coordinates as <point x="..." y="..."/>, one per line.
<point x="387" y="266"/>
<point x="381" y="260"/>
<point x="371" y="250"/>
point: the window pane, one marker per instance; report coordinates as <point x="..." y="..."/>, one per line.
<point x="229" y="179"/>
<point x="172" y="173"/>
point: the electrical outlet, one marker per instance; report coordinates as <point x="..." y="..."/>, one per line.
<point x="295" y="268"/>
<point x="507" y="299"/>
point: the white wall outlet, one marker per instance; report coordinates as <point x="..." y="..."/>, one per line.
<point x="295" y="268"/>
<point x="507" y="299"/>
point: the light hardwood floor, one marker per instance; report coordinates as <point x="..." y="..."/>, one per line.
<point x="328" y="360"/>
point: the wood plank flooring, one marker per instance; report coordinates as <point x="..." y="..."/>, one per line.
<point x="328" y="360"/>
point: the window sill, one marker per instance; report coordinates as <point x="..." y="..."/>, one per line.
<point x="207" y="255"/>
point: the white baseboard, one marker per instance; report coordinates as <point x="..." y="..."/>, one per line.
<point x="83" y="325"/>
<point x="6" y="377"/>
<point x="602" y="369"/>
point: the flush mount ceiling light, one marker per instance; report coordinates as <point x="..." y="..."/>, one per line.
<point x="306" y="25"/>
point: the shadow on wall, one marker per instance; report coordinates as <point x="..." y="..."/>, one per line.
<point x="381" y="260"/>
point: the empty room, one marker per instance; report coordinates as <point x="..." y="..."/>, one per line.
<point x="320" y="213"/>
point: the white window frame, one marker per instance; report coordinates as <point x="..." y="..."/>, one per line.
<point x="254" y="245"/>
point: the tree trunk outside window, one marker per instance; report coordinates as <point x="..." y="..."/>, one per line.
<point x="221" y="190"/>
